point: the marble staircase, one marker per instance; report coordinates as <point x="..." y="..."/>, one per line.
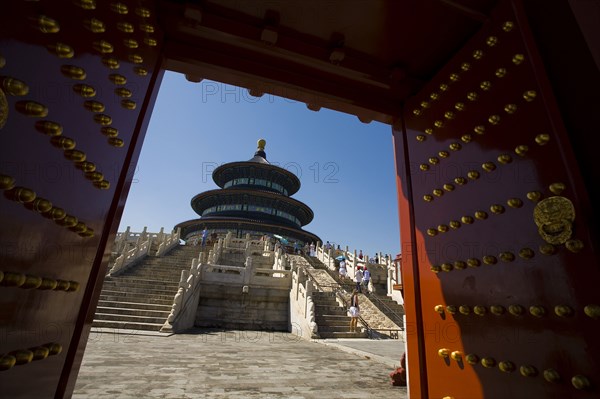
<point x="381" y="313"/>
<point x="333" y="319"/>
<point x="141" y="297"/>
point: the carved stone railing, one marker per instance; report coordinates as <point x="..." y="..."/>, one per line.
<point x="248" y="275"/>
<point x="302" y="303"/>
<point x="130" y="247"/>
<point x="327" y="257"/>
<point x="166" y="242"/>
<point x="187" y="297"/>
<point x="130" y="256"/>
<point x="280" y="260"/>
<point x="229" y="247"/>
<point x="183" y="310"/>
<point x="127" y="238"/>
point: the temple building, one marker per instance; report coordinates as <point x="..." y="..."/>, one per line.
<point x="254" y="197"/>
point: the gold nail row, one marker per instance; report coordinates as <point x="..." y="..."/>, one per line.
<point x="488" y="167"/>
<point x="491" y="41"/>
<point x="521" y="149"/>
<point x="96" y="26"/>
<point x="78" y="73"/>
<point x="43" y="206"/>
<point x="63" y="50"/>
<point x="37" y="110"/>
<point x="479" y="215"/>
<point x="578" y="381"/>
<point x="493" y="119"/>
<point x="574" y="245"/>
<point x="507" y="257"/>
<point x="473" y="96"/>
<point x="67" y="144"/>
<point x="28" y="282"/>
<point x="113" y="63"/>
<point x="21" y="357"/>
<point x="592" y="310"/>
<point x="461" y="181"/>
<point x="117" y="7"/>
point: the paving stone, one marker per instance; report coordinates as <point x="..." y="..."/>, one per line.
<point x="236" y="364"/>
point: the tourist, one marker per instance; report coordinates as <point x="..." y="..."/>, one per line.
<point x="358" y="276"/>
<point x="312" y="249"/>
<point x="327" y="246"/>
<point x="204" y="235"/>
<point x="354" y="311"/>
<point x="343" y="272"/>
<point x="366" y="278"/>
<point x="360" y="255"/>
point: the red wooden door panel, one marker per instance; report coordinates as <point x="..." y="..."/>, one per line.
<point x="77" y="81"/>
<point x="504" y="273"/>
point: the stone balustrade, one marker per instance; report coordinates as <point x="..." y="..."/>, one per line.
<point x="228" y="249"/>
<point x="280" y="260"/>
<point x="130" y="256"/>
<point x="167" y="241"/>
<point x="204" y="269"/>
<point x="185" y="301"/>
<point x="130" y="247"/>
<point x="327" y="257"/>
<point x="250" y="275"/>
<point x="302" y="307"/>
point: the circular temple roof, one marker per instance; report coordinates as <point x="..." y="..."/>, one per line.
<point x="259" y="168"/>
<point x="292" y="206"/>
<point x="195" y="225"/>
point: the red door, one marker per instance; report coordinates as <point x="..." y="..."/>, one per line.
<point x="78" y="79"/>
<point x="501" y="273"/>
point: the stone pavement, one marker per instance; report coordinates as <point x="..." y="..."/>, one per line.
<point x="237" y="365"/>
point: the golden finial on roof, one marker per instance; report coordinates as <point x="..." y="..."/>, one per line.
<point x="261" y="144"/>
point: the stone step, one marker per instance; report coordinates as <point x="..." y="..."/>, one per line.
<point x="132" y="311"/>
<point x="164" y="263"/>
<point x="328" y="309"/>
<point x="336" y="312"/>
<point x="134" y="305"/>
<point x="127" y="325"/>
<point x="148" y="284"/>
<point x="332" y="319"/>
<point x="235" y="304"/>
<point x="149" y="274"/>
<point x="153" y="275"/>
<point x="142" y="290"/>
<point x="328" y="300"/>
<point x="343" y="335"/>
<point x="324" y="295"/>
<point x="129" y="318"/>
<point x="337" y="321"/>
<point x="326" y="328"/>
<point x="243" y="315"/>
<point x="108" y="295"/>
<point x="242" y="325"/>
<point x="163" y="267"/>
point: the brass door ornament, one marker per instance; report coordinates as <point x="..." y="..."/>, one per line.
<point x="554" y="217"/>
<point x="3" y="109"/>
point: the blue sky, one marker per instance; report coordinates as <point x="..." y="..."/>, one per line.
<point x="346" y="167"/>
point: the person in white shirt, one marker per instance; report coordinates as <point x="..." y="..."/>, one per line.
<point x="354" y="311"/>
<point x="366" y="278"/>
<point x="343" y="272"/>
<point x="358" y="277"/>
